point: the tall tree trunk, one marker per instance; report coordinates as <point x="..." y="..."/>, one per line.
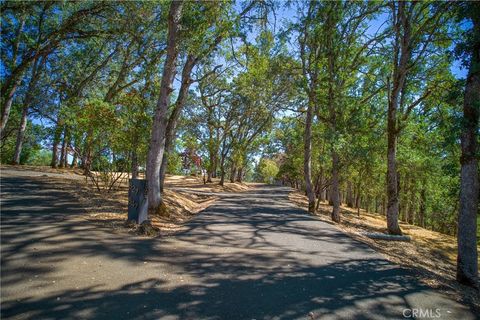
<point x="412" y="202"/>
<point x="163" y="167"/>
<point x="63" y="149"/>
<point x="222" y="170"/>
<point x="335" y="191"/>
<point x="467" y="259"/>
<point x="214" y="168"/>
<point x="307" y="158"/>
<point x="67" y="143"/>
<point x="384" y="206"/>
<point x="357" y="199"/>
<point x="321" y="195"/>
<point x="7" y="106"/>
<point x="20" y="135"/>
<point x="349" y="195"/>
<point x="177" y="109"/>
<point x="240" y="174"/>
<point x="423" y="206"/>
<point x="75" y="149"/>
<point x="8" y="92"/>
<point x="87" y="156"/>
<point x="74" y="161"/>
<point x="26" y="105"/>
<point x="134" y="168"/>
<point x="56" y="141"/>
<point x="159" y="128"/>
<point x="392" y="190"/>
<point x="233" y="170"/>
<point x="402" y="52"/>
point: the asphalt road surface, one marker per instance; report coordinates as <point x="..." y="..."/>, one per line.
<point x="250" y="256"/>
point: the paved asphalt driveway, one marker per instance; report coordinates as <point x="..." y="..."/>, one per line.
<point x="249" y="256"/>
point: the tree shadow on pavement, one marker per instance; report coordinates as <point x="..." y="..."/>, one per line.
<point x="245" y="259"/>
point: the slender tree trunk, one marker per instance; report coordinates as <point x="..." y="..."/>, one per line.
<point x="412" y="202"/>
<point x="321" y="193"/>
<point x="63" y="149"/>
<point x="357" y="199"/>
<point x="8" y="92"/>
<point x="402" y="54"/>
<point x="56" y="141"/>
<point x="26" y="106"/>
<point x="423" y="206"/>
<point x="384" y="206"/>
<point x="307" y="158"/>
<point x="222" y="171"/>
<point x="134" y="164"/>
<point x="392" y="191"/>
<point x="67" y="143"/>
<point x="233" y="170"/>
<point x="214" y="168"/>
<point x="349" y="194"/>
<point x="240" y="174"/>
<point x="159" y="128"/>
<point x="177" y="109"/>
<point x="87" y="156"/>
<point x="20" y="135"/>
<point x="163" y="167"/>
<point x="335" y="191"/>
<point x="75" y="150"/>
<point x="74" y="161"/>
<point x="7" y="106"/>
<point x="467" y="259"/>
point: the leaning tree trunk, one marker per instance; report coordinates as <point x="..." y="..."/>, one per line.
<point x="26" y="106"/>
<point x="163" y="167"/>
<point x="467" y="259"/>
<point x="159" y="128"/>
<point x="8" y="91"/>
<point x="7" y="106"/>
<point x="307" y="158"/>
<point x="172" y="120"/>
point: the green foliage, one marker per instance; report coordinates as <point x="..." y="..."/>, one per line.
<point x="267" y="170"/>
<point x="251" y="84"/>
<point x="40" y="157"/>
<point x="32" y="142"/>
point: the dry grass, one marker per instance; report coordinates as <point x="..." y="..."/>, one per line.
<point x="430" y="253"/>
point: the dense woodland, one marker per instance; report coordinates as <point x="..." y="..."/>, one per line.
<point x="371" y="105"/>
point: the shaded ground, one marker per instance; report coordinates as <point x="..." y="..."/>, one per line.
<point x="184" y="196"/>
<point x="251" y="255"/>
<point x="431" y="253"/>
